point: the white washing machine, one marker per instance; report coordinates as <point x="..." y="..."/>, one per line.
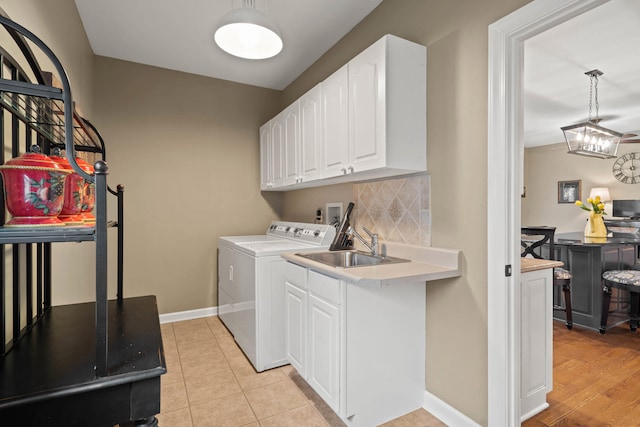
<point x="251" y="290"/>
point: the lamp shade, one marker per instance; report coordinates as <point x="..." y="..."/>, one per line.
<point x="248" y="33"/>
<point x="603" y="192"/>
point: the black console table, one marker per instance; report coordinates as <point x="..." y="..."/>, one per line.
<point x="587" y="258"/>
<point x="48" y="378"/>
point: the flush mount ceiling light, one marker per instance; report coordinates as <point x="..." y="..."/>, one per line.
<point x="248" y="33"/>
<point x="588" y="138"/>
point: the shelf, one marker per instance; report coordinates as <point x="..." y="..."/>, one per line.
<point x="46" y="375"/>
<point x="41" y="108"/>
<point x="46" y="234"/>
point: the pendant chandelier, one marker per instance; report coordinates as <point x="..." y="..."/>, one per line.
<point x="588" y="138"/>
<point x="248" y="33"/>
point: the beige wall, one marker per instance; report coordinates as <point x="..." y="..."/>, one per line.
<point x="186" y="148"/>
<point x="456" y="34"/>
<point x="58" y="25"/>
<point x="545" y="166"/>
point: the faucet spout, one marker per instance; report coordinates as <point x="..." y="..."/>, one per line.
<point x="371" y="246"/>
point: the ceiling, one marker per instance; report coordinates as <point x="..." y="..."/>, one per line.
<point x="556" y="88"/>
<point x="179" y="36"/>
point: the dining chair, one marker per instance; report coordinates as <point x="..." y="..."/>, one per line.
<point x="535" y="242"/>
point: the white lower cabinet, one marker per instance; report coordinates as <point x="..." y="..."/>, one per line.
<point x="324" y="350"/>
<point x="296" y="325"/>
<point x="361" y="349"/>
<point x="536" y="378"/>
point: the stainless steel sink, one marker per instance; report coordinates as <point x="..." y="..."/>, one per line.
<point x="347" y="259"/>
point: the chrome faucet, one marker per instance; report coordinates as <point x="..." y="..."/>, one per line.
<point x="373" y="246"/>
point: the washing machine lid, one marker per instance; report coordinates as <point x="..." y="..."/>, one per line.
<point x="275" y="247"/>
<point x="244" y="239"/>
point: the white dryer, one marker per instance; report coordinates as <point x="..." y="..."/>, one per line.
<point x="251" y="290"/>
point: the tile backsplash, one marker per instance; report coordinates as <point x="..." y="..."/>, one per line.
<point x="396" y="209"/>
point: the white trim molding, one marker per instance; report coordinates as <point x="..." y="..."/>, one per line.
<point x="179" y="316"/>
<point x="504" y="184"/>
<point x="445" y="412"/>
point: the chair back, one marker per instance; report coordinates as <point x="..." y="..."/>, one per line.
<point x="538" y="236"/>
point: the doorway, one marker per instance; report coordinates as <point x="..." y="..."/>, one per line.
<point x="505" y="170"/>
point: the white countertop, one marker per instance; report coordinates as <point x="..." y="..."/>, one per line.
<point x="426" y="264"/>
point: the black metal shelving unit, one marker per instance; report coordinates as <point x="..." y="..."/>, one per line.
<point x="96" y="363"/>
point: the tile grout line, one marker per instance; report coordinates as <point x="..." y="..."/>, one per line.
<point x="235" y="375"/>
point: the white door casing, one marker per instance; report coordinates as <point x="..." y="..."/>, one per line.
<point x="504" y="183"/>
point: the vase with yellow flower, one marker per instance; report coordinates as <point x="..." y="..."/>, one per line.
<point x="595" y="224"/>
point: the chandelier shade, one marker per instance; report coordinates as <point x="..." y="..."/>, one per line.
<point x="248" y="33"/>
<point x="589" y="138"/>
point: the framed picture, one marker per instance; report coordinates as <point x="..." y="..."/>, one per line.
<point x="569" y="191"/>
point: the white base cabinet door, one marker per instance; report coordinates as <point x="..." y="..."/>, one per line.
<point x="296" y="327"/>
<point x="536" y="378"/>
<point x="324" y="350"/>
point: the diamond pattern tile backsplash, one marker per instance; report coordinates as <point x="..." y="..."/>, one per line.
<point x="396" y="209"/>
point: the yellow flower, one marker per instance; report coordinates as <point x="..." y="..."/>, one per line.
<point x="594" y="205"/>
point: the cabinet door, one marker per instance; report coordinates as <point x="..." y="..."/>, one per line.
<point x="324" y="350"/>
<point x="536" y="352"/>
<point x="311" y="135"/>
<point x="291" y="143"/>
<point x="296" y="327"/>
<point x="266" y="157"/>
<point x="367" y="109"/>
<point x="277" y="148"/>
<point x="335" y="123"/>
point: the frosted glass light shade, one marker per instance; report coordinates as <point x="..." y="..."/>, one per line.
<point x="248" y="33"/>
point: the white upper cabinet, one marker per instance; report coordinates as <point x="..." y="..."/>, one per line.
<point x="335" y="123"/>
<point x="311" y="135"/>
<point x="266" y="157"/>
<point x="277" y="148"/>
<point x="388" y="109"/>
<point x="290" y="119"/>
<point x="371" y="122"/>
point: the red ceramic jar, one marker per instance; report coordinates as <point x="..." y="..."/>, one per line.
<point x="73" y="194"/>
<point x="88" y="195"/>
<point x="33" y="190"/>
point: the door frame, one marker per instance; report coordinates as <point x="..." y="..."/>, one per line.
<point x="504" y="184"/>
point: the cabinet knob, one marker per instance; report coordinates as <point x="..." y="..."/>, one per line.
<point x="343" y="170"/>
<point x="350" y="168"/>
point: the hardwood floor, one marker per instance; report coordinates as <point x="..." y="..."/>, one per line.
<point x="596" y="379"/>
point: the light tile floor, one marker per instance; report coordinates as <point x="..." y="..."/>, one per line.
<point x="210" y="382"/>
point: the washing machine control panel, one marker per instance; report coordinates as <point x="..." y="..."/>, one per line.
<point x="319" y="234"/>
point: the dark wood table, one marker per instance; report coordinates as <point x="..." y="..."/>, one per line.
<point x="48" y="378"/>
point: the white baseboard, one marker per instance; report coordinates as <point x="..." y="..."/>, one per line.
<point x="188" y="315"/>
<point x="446" y="413"/>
